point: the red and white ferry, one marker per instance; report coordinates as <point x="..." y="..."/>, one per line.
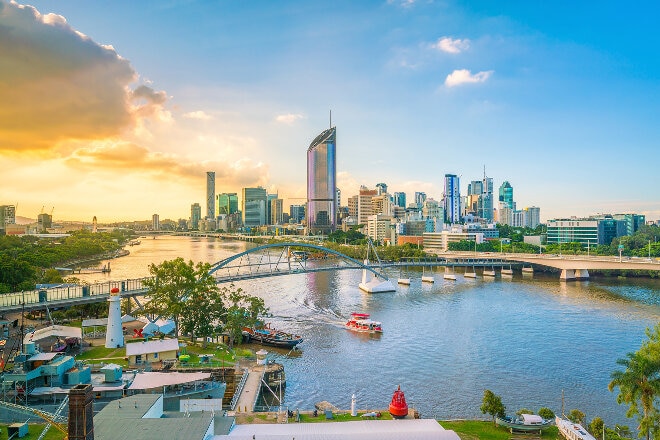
<point x="360" y="322"/>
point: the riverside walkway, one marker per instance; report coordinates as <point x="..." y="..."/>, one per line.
<point x="280" y="260"/>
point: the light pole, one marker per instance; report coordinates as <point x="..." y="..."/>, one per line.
<point x="649" y="249"/>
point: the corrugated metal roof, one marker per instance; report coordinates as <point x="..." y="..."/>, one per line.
<point x="413" y="429"/>
<point x="148" y="380"/>
<point x="155" y="346"/>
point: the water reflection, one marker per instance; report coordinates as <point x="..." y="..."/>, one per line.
<point x="526" y="338"/>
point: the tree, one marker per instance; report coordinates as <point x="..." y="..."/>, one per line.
<point x="576" y="416"/>
<point x="522" y="411"/>
<point x="596" y="427"/>
<point x="173" y="285"/>
<point x="639" y="385"/>
<point x="241" y="310"/>
<point x="546" y="413"/>
<point x="492" y="404"/>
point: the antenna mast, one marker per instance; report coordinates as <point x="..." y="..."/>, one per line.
<point x="330" y="118"/>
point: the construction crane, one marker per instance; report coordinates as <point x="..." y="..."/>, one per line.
<point x="56" y="420"/>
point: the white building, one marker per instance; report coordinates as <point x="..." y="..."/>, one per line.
<point x="378" y="227"/>
<point x="436" y="242"/>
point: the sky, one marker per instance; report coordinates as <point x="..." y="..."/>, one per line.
<point x="117" y="109"/>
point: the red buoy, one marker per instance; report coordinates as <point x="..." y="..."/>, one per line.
<point x="398" y="406"/>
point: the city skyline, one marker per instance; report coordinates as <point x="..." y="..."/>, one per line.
<point x="121" y="119"/>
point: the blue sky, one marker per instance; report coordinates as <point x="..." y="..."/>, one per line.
<point x="558" y="98"/>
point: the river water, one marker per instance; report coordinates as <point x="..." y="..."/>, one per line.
<point x="526" y="338"/>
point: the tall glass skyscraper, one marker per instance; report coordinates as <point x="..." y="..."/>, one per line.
<point x="227" y="203"/>
<point x="452" y="199"/>
<point x="210" y="194"/>
<point x="506" y="195"/>
<point x="322" y="183"/>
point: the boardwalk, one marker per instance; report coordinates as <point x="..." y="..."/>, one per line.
<point x="250" y="391"/>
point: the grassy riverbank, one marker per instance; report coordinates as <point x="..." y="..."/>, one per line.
<point x="482" y="430"/>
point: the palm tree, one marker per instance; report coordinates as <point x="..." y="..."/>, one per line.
<point x="639" y="385"/>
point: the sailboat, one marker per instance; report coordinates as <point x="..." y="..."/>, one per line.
<point x="371" y="283"/>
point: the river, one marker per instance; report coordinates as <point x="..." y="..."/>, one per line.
<point x="526" y="338"/>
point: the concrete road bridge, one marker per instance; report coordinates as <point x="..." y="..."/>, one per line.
<point x="572" y="267"/>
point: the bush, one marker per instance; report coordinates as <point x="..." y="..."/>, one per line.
<point x="546" y="413"/>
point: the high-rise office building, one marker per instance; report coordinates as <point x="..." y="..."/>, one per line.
<point x="227" y="203"/>
<point x="195" y="215"/>
<point x="7" y="215"/>
<point x="400" y="199"/>
<point x="486" y="200"/>
<point x="365" y="205"/>
<point x="253" y="206"/>
<point x="155" y="222"/>
<point x="420" y="198"/>
<point x="210" y="194"/>
<point x="452" y="199"/>
<point x="533" y="216"/>
<point x="276" y="211"/>
<point x="321" y="183"/>
<point x="506" y="196"/>
<point x="297" y="213"/>
<point x="381" y="188"/>
<point x="269" y="206"/>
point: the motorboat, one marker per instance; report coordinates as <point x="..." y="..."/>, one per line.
<point x="269" y="336"/>
<point x="360" y="322"/>
<point x="526" y="423"/>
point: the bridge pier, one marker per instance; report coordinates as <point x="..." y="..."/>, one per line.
<point x="581" y="274"/>
<point x="567" y="275"/>
<point x="574" y="274"/>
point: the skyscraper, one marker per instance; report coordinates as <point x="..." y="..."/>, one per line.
<point x="381" y="188"/>
<point x="400" y="199"/>
<point x="253" y="206"/>
<point x="227" y="203"/>
<point x="452" y="199"/>
<point x="195" y="215"/>
<point x="420" y="198"/>
<point x="486" y="200"/>
<point x="210" y="194"/>
<point x="321" y="183"/>
<point x="506" y="196"/>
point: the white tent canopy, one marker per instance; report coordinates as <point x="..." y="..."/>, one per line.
<point x="53" y="330"/>
<point x="148" y="380"/>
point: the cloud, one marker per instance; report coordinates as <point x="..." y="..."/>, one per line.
<point x="288" y="118"/>
<point x="402" y="3"/>
<point x="199" y="114"/>
<point x="58" y="85"/>
<point x="464" y="76"/>
<point x="118" y="156"/>
<point x="449" y="45"/>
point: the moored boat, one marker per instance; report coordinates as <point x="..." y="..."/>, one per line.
<point x="398" y="405"/>
<point x="270" y="336"/>
<point x="526" y="423"/>
<point x="360" y="322"/>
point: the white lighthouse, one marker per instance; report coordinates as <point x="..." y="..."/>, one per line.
<point x="114" y="335"/>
